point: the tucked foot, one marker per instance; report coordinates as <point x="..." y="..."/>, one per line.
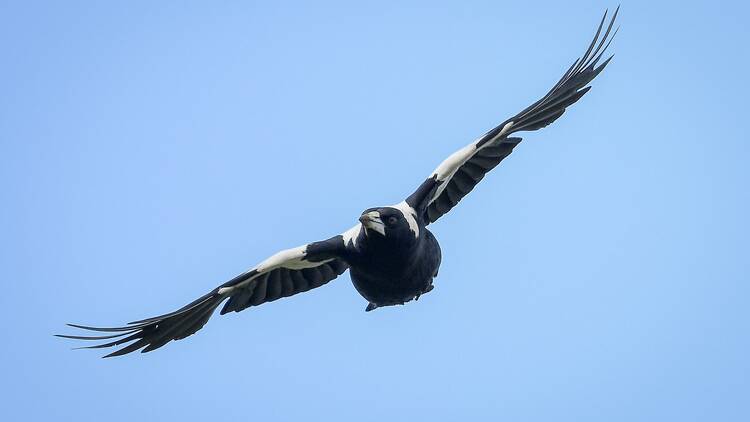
<point x="370" y="307"/>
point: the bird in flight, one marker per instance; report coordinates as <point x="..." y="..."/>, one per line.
<point x="391" y="255"/>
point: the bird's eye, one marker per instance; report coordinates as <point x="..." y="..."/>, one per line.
<point x="392" y="220"/>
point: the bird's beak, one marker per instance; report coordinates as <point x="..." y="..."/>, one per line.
<point x="371" y="221"/>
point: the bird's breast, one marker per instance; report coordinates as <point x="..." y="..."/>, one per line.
<point x="387" y="275"/>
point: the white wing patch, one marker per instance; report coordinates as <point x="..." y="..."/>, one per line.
<point x="293" y="259"/>
<point x="450" y="165"/>
<point x="446" y="169"/>
<point x="410" y="214"/>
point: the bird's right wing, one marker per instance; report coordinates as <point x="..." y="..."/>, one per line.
<point x="455" y="177"/>
<point x="284" y="274"/>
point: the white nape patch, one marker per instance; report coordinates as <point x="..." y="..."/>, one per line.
<point x="352" y="234"/>
<point x="448" y="168"/>
<point x="410" y="215"/>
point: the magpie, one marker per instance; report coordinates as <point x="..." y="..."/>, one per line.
<point x="391" y="255"/>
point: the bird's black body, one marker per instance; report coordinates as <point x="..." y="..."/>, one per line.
<point x="389" y="272"/>
<point x="392" y="256"/>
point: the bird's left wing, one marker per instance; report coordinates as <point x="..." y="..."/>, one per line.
<point x="458" y="174"/>
<point x="284" y="274"/>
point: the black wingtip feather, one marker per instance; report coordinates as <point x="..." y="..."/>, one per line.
<point x="153" y="333"/>
<point x="573" y="85"/>
<point x="103" y="329"/>
<point x="585" y="56"/>
<point x="605" y="36"/>
<point x="93" y="337"/>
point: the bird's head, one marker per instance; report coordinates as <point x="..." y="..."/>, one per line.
<point x="392" y="223"/>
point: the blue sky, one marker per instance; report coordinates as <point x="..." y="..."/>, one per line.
<point x="150" y="152"/>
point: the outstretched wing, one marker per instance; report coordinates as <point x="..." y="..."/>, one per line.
<point x="284" y="274"/>
<point x="458" y="174"/>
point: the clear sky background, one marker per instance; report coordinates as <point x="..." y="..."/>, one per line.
<point x="150" y="152"/>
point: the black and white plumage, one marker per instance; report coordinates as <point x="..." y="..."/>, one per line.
<point x="392" y="256"/>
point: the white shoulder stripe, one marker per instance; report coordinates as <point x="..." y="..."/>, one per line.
<point x="352" y="235"/>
